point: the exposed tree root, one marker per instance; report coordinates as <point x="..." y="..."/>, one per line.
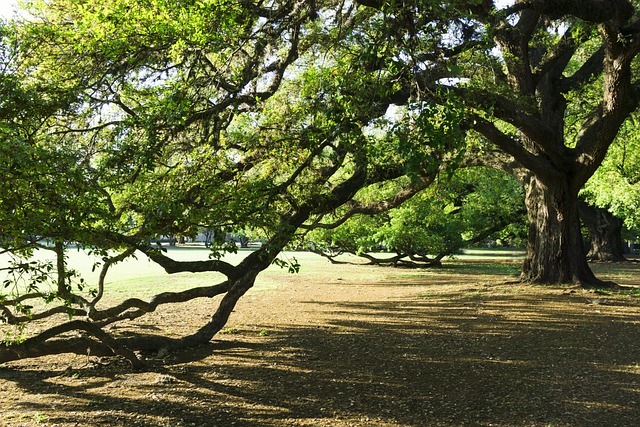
<point x="40" y="345"/>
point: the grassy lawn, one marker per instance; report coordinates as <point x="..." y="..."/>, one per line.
<point x="140" y="277"/>
<point x="143" y="277"/>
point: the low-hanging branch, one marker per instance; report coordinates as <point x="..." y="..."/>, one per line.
<point x="38" y="345"/>
<point x="123" y="310"/>
<point x="172" y="266"/>
<point x="240" y="278"/>
<point x="400" y="259"/>
<point x="372" y="208"/>
<point x="105" y="269"/>
<point x="416" y="258"/>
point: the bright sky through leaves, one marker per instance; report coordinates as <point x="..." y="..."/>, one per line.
<point x="7" y="7"/>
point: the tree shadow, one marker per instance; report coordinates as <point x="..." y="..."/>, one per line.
<point x="468" y="358"/>
<point x="462" y="361"/>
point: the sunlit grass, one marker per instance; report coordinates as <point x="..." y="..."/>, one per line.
<point x="142" y="278"/>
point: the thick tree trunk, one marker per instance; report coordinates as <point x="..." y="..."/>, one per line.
<point x="555" y="252"/>
<point x="605" y="233"/>
<point x="221" y="316"/>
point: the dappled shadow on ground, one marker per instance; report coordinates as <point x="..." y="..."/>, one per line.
<point x="473" y="356"/>
<point x="474" y="360"/>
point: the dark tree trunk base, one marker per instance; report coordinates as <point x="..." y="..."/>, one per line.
<point x="556" y="253"/>
<point x="605" y="240"/>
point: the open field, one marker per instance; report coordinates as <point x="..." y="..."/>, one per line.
<point x="350" y="345"/>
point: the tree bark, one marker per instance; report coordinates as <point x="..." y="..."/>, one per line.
<point x="228" y="303"/>
<point x="555" y="251"/>
<point x="605" y="233"/>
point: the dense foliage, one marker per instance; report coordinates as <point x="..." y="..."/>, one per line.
<point x="472" y="206"/>
<point x="614" y="186"/>
<point x="180" y="116"/>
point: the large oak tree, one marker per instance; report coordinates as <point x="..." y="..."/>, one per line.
<point x="521" y="73"/>
<point x="595" y="40"/>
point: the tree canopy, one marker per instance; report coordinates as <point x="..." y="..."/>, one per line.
<point x="227" y="120"/>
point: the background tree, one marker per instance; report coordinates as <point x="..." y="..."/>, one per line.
<point x="559" y="166"/>
<point x="604" y="233"/>
<point x="614" y="191"/>
<point x="469" y="207"/>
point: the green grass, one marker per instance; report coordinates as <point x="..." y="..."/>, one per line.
<point x="491" y="253"/>
<point x="142" y="278"/>
<point x="482" y="268"/>
<point x="616" y="271"/>
<point x="625" y="293"/>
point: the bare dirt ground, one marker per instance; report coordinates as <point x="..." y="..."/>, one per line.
<point x="363" y="347"/>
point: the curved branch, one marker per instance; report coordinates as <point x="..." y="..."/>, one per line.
<point x="509" y="111"/>
<point x="103" y="273"/>
<point x="495" y="159"/>
<point x="590" y="68"/>
<point x="400" y="260"/>
<point x="35" y="346"/>
<point x="559" y="55"/>
<point x="122" y="310"/>
<point x="24" y="297"/>
<point x="61" y="309"/>
<point x="172" y="266"/>
<point x="594" y="11"/>
<point x="601" y="128"/>
<point x="373" y="208"/>
<point x="510" y="146"/>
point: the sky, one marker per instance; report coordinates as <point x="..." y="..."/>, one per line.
<point x="6" y="7"/>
